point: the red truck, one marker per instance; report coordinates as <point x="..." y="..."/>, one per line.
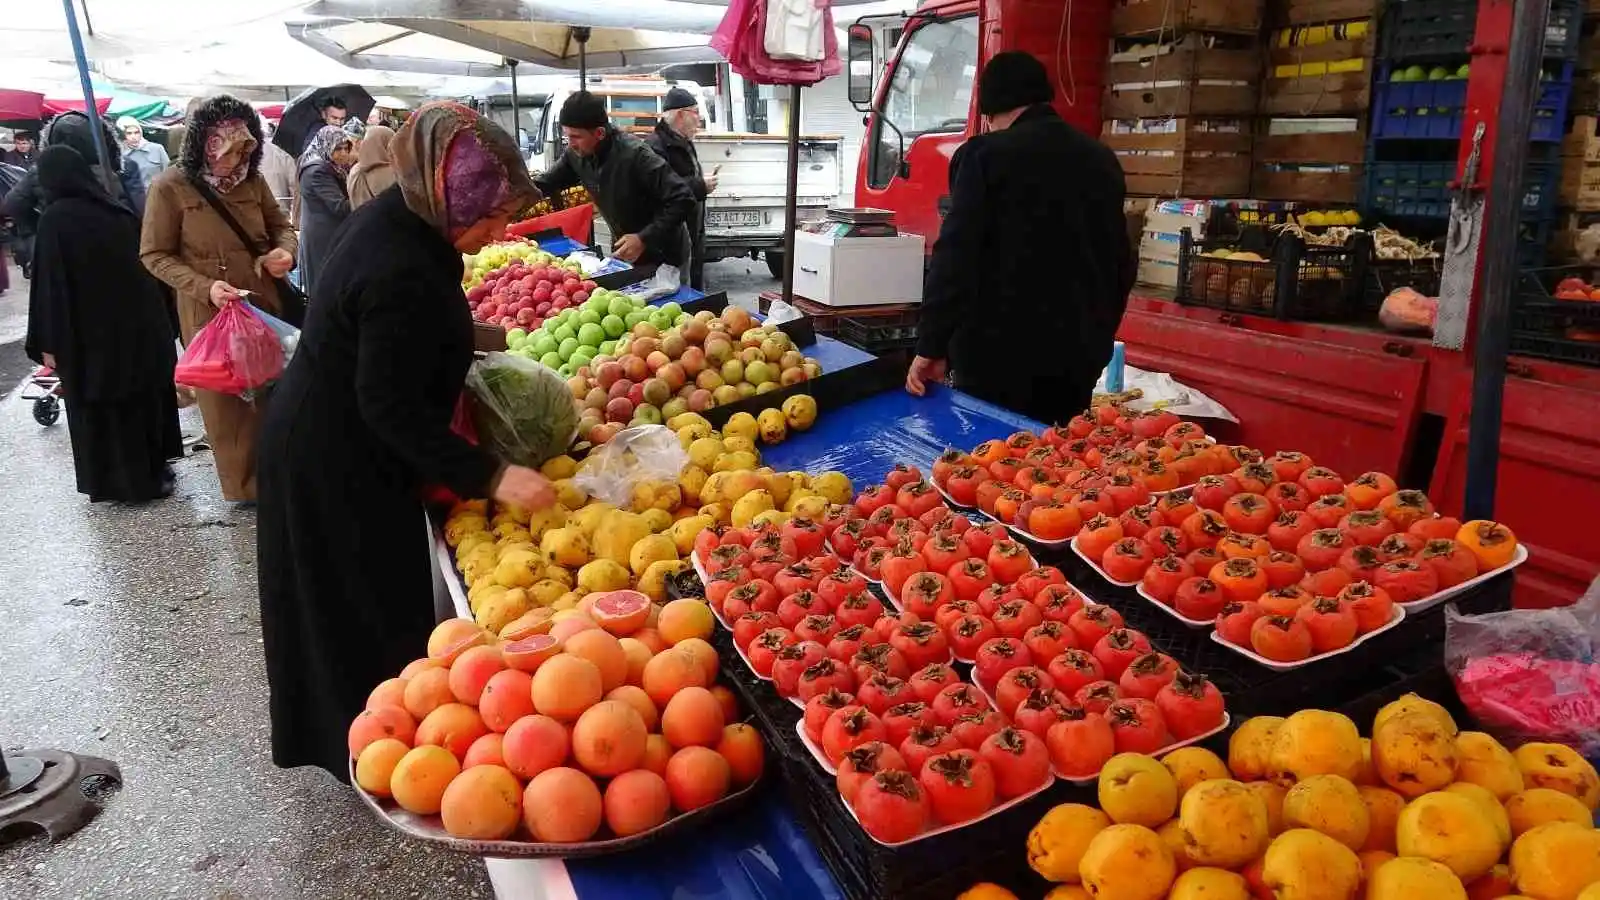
<point x="1353" y="397"/>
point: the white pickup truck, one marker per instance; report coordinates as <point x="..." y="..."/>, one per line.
<point x="745" y="213"/>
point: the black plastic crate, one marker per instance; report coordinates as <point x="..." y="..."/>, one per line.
<point x="1294" y="281"/>
<point x="880" y="333"/>
<point x="1387" y="275"/>
<point x="1427" y="29"/>
<point x="1546" y="326"/>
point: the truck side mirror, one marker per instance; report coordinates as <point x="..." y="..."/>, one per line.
<point x="859" y="66"/>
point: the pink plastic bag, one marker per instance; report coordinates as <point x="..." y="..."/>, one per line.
<point x="234" y="353"/>
<point x="741" y="39"/>
<point x="1531" y="674"/>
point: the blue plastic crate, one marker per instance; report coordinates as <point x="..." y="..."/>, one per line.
<point x="1422" y="189"/>
<point x="1411" y="110"/>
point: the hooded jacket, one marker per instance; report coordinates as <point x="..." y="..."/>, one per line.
<point x="636" y="191"/>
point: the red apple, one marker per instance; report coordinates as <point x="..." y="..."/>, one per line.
<point x="619" y="409"/>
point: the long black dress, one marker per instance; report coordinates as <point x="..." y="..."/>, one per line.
<point x="95" y="308"/>
<point x="359" y="423"/>
<point x="324" y="205"/>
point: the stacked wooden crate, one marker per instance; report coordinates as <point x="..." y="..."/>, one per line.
<point x="1181" y="86"/>
<point x="1311" y="139"/>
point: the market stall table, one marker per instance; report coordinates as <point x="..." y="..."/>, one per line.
<point x="759" y="851"/>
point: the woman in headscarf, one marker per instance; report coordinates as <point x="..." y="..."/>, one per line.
<point x="373" y="172"/>
<point x="360" y="424"/>
<point x="98" y="318"/>
<point x="324" y="199"/>
<point x="189" y="245"/>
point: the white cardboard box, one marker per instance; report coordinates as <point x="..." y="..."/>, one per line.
<point x="858" y="271"/>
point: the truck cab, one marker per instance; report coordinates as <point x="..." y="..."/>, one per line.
<point x="925" y="105"/>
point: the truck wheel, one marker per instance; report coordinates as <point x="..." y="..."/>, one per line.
<point x="775" y="263"/>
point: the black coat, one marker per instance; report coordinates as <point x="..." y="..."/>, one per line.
<point x="1032" y="268"/>
<point x="358" y="425"/>
<point x="324" y="205"/>
<point x="636" y="191"/>
<point x="680" y="154"/>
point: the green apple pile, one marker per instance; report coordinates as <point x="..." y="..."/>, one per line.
<point x="671" y="362"/>
<point x="575" y="336"/>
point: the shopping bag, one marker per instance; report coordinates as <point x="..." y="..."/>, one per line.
<point x="288" y="335"/>
<point x="233" y="354"/>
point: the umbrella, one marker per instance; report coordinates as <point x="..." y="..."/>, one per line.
<point x="69" y="104"/>
<point x="25" y="108"/>
<point x="302" y="116"/>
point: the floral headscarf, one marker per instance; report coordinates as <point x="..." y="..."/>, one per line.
<point x="455" y="167"/>
<point x="228" y="139"/>
<point x="327" y="139"/>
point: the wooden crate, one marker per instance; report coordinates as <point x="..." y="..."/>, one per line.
<point x="1186" y="163"/>
<point x="1168" y="85"/>
<point x="1582" y="142"/>
<point x="1315" y="12"/>
<point x="1285" y="167"/>
<point x="1322" y="92"/>
<point x="1579" y="189"/>
<point x="1178" y="16"/>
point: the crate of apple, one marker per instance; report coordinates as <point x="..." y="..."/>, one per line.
<point x="523" y="296"/>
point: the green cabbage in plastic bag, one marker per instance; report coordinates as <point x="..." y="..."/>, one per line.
<point x="523" y="411"/>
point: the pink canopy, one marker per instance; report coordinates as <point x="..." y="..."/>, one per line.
<point x="20" y="105"/>
<point x="273" y="111"/>
<point x="56" y="107"/>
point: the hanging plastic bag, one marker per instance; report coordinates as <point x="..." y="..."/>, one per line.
<point x="234" y="353"/>
<point x="1531" y="674"/>
<point x="794" y="30"/>
<point x="644" y="455"/>
<point x="1406" y="311"/>
<point x="523" y="411"/>
<point x="288" y="335"/>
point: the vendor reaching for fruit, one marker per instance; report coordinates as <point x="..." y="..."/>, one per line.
<point x="645" y="204"/>
<point x="360" y="424"/>
<point x="1032" y="267"/>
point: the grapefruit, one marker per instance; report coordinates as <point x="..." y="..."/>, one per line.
<point x="619" y="612"/>
<point x="605" y="652"/>
<point x="530" y="623"/>
<point x="696" y="777"/>
<point x="636" y="802"/>
<point x="562" y="806"/>
<point x="609" y="738"/>
<point x="380" y="722"/>
<point x="565" y="686"/>
<point x="533" y="744"/>
<point x="705" y="653"/>
<point x="453" y="726"/>
<point x="388" y="693"/>
<point x="635" y="697"/>
<point x="453" y="637"/>
<point x="420" y="777"/>
<point x="656" y="753"/>
<point x="376" y="765"/>
<point x="485" y="751"/>
<point x="638" y="656"/>
<point x="427" y="691"/>
<point x="669" y="672"/>
<point x="686" y="618"/>
<point x="506" y="698"/>
<point x="741" y="746"/>
<point x="693" y="717"/>
<point x="483" y="803"/>
<point x="527" y="654"/>
<point x="471" y="672"/>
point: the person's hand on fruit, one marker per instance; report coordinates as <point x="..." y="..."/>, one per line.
<point x="223" y="293"/>
<point x="924" y="370"/>
<point x="525" y="487"/>
<point x="628" y="248"/>
<point x="278" y="263"/>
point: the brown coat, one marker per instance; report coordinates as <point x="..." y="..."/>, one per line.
<point x="186" y="244"/>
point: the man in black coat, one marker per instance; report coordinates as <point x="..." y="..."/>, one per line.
<point x="673" y="141"/>
<point x="1032" y="268"/>
<point x="23" y="153"/>
<point x="643" y="202"/>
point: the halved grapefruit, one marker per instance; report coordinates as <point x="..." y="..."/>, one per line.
<point x="530" y="652"/>
<point x="534" y="621"/>
<point x="453" y="637"/>
<point x="620" y="612"/>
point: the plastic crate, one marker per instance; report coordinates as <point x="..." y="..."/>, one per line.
<point x="879" y="334"/>
<point x="1549" y="328"/>
<point x="1296" y="282"/>
<point x="1563" y="29"/>
<point x="1412" y="110"/>
<point x="1422" y="189"/>
<point x="1533" y="242"/>
<point x="1427" y="29"/>
<point x="1385" y="276"/>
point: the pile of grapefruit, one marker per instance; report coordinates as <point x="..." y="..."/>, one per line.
<point x="602" y="723"/>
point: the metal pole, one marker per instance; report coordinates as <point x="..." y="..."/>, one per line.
<point x="581" y="34"/>
<point x="789" y="195"/>
<point x="89" y="107"/>
<point x="516" y="107"/>
<point x="1499" y="257"/>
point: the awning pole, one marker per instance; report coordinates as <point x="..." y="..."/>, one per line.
<point x="1498" y="257"/>
<point x="89" y="108"/>
<point x="581" y="34"/>
<point x="789" y="195"/>
<point x="516" y="107"/>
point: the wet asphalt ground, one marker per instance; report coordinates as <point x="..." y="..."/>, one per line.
<point x="133" y="633"/>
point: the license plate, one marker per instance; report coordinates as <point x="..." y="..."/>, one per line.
<point x="726" y="217"/>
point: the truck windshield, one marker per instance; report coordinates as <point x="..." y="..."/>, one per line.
<point x="930" y="90"/>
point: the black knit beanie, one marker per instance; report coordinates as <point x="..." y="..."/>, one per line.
<point x="584" y="110"/>
<point x="1011" y="80"/>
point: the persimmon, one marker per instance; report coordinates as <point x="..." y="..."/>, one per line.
<point x="1406" y="580"/>
<point x="1288" y="465"/>
<point x="1177" y="505"/>
<point x="1058" y="602"/>
<point x="1284" y="601"/>
<point x="1320" y="481"/>
<point x="1401" y="545"/>
<point x="1126" y="559"/>
<point x="1138" y="520"/>
<point x="1203" y="558"/>
<point x="1492" y="543"/>
<point x="1030" y="475"/>
<point x="1321" y="548"/>
<point x="1331" y="622"/>
<point x="1254" y="478"/>
<point x="1248" y="512"/>
<point x="1371" y="605"/>
<point x="1097" y="535"/>
<point x="1240" y="579"/>
<point x="1283" y="568"/>
<point x="1160" y="474"/>
<point x="1236" y="620"/>
<point x="1007" y="504"/>
<point x="1008" y="560"/>
<point x="962" y="485"/>
<point x="1043" y="455"/>
<point x="1204" y="528"/>
<point x="1368" y="489"/>
<point x="1091" y="623"/>
<point x="1213" y="491"/>
<point x="947" y="462"/>
<point x="1187" y="466"/>
<point x="1167" y="540"/>
<point x="1198" y="597"/>
<point x="987" y="492"/>
<point x="1451" y="562"/>
<point x="990" y="451"/>
<point x="1093" y="502"/>
<point x="1183" y="431"/>
<point x="1081" y="743"/>
<point x="1238" y="545"/>
<point x="1287" y="495"/>
<point x="1367" y="526"/>
<point x="1280" y="638"/>
<point x="1327" y="582"/>
<point x="1361" y="562"/>
<point x="1435" y="527"/>
<point x="1405" y="507"/>
<point x="1019" y="443"/>
<point x="1328" y="510"/>
<point x="1163" y="577"/>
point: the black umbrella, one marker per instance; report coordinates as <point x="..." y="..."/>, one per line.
<point x="303" y="116"/>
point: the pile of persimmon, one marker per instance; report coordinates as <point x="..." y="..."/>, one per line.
<point x="1103" y="462"/>
<point x="1270" y="549"/>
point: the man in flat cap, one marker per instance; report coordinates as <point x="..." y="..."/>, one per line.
<point x="673" y="141"/>
<point x="645" y="204"/>
<point x="1032" y="268"/>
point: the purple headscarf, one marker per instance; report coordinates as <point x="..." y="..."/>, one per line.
<point x="455" y="167"/>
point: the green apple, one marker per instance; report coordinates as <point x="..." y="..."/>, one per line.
<point x="733" y="371"/>
<point x="672" y="309"/>
<point x="597" y="304"/>
<point x="608" y="348"/>
<point x="1415" y="73"/>
<point x="619" y="304"/>
<point x="567" y="370"/>
<point x="660" y="320"/>
<point x="682" y="318"/>
<point x="675" y="407"/>
<point x="551" y="360"/>
<point x="582" y="356"/>
<point x="591" y="334"/>
<point x="614" y="325"/>
<point x="568" y="347"/>
<point x="589" y="317"/>
<point x="1438" y="73"/>
<point x="563" y="332"/>
<point x="515" y="337"/>
<point x="1464" y="71"/>
<point x="634" y="317"/>
<point x="645" y="414"/>
<point x="544" y="343"/>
